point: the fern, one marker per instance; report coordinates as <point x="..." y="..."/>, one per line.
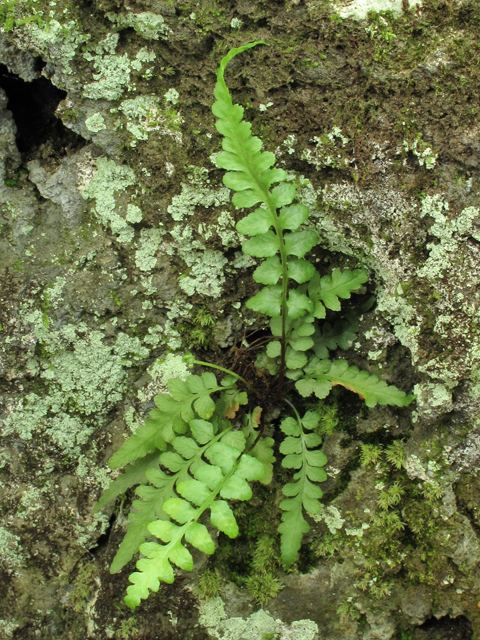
<point x="225" y="477"/>
<point x="193" y="455"/>
<point x="299" y="449"/>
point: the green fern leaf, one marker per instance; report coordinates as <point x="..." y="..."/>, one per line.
<point x="173" y="414"/>
<point x="185" y="457"/>
<point x="325" y="374"/>
<point x="248" y="168"/>
<point x="227" y="479"/>
<point x="142" y="513"/>
<point x="295" y="359"/>
<point x="269" y="272"/>
<point x="255" y="223"/>
<point x="144" y="441"/>
<point x="301" y="344"/>
<point x="134" y="474"/>
<point x="302" y="494"/>
<point x="340" y="334"/>
<point x="262" y="246"/>
<point x="293" y="216"/>
<point x="268" y="301"/>
<point x="263" y="452"/>
<point x="340" y="284"/>
<point x="298" y="304"/>
<point x="298" y="243"/>
<point x="284" y="193"/>
<point x="300" y="270"/>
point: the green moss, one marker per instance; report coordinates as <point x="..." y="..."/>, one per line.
<point x="209" y="584"/>
<point x="83" y="587"/>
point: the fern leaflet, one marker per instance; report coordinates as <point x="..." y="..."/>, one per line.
<point x="303" y="494"/>
<point x="226" y="476"/>
<point x="323" y="374"/>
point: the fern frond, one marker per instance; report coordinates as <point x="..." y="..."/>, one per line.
<point x="339" y="284"/>
<point x="134" y="474"/>
<point x="304" y="493"/>
<point x="251" y="174"/>
<point x="248" y="168"/>
<point x="323" y="374"/>
<point x="185" y="458"/>
<point x="226" y="477"/>
<point x="331" y="337"/>
<point x="173" y="414"/>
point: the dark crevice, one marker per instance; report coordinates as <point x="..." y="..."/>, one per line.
<point x="445" y="628"/>
<point x="33" y="106"/>
<point x="102" y="541"/>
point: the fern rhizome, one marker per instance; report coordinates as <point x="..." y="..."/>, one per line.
<point x="193" y="455"/>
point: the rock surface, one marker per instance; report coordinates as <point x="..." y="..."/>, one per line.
<point x="118" y="240"/>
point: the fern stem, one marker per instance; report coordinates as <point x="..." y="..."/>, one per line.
<point x="297" y="415"/>
<point x="302" y="433"/>
<point x="283" y="259"/>
<point x="231" y="373"/>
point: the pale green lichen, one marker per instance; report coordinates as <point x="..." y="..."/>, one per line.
<point x="236" y="23"/>
<point x="130" y="349"/>
<point x="359" y="9"/>
<point x="7" y="628"/>
<point x="172" y="96"/>
<point x="148" y="244"/>
<point x="113" y="71"/>
<point x="206" y="275"/>
<point x="134" y="214"/>
<point x="332" y="518"/>
<point x="358" y="533"/>
<point x="257" y="626"/>
<point x="95" y="123"/>
<point x="142" y="57"/>
<point x="197" y="194"/>
<point x="109" y="179"/>
<point x="443" y="255"/>
<point x="151" y="26"/>
<point x="432" y="398"/>
<point x="113" y="75"/>
<point x="327" y="152"/>
<point x="225" y="229"/>
<point x="84" y="377"/>
<point x="11" y="552"/>
<point x="89" y="377"/>
<point x="58" y="42"/>
<point x="145" y="116"/>
<point x="426" y="157"/>
<point x="452" y="257"/>
<point x="172" y="366"/>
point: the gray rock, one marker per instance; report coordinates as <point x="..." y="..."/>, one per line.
<point x="17" y="61"/>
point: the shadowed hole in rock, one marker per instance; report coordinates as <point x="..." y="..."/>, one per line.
<point x="445" y="628"/>
<point x="33" y="106"/>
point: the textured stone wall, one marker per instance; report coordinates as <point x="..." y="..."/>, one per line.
<point x="118" y="254"/>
